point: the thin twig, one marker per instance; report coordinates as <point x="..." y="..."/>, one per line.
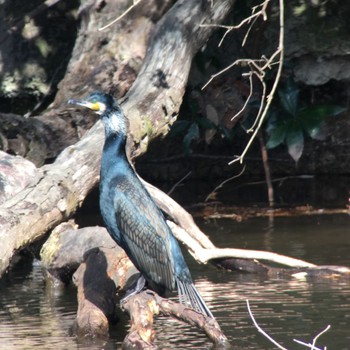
<point x="247" y="99"/>
<point x="307" y="345"/>
<point x="121" y="16"/>
<point x="262" y="104"/>
<point x="223" y="183"/>
<point x="313" y="345"/>
<point x="219" y="73"/>
<point x="252" y="24"/>
<point x="269" y="98"/>
<point x="251" y="19"/>
<point x="261" y="330"/>
<point x="319" y="334"/>
<point x="257" y="67"/>
<point x="177" y="183"/>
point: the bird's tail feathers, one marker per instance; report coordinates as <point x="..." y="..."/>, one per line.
<point x="189" y="296"/>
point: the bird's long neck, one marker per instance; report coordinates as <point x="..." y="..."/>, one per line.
<point x="114" y="159"/>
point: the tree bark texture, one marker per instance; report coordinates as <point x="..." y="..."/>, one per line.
<point x="106" y="60"/>
<point x="144" y="306"/>
<point x="156" y="96"/>
<point x="150" y="105"/>
<point x="99" y="268"/>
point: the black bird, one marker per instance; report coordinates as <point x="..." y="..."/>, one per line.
<point x="132" y="218"/>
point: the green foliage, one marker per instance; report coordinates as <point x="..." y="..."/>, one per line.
<point x="194" y="125"/>
<point x="191" y="131"/>
<point x="292" y="122"/>
<point x="191" y="135"/>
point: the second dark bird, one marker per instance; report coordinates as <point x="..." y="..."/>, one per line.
<point x="132" y="218"/>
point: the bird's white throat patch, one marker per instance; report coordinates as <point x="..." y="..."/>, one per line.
<point x="115" y="123"/>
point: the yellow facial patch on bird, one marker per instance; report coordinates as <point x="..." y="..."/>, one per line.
<point x="96" y="106"/>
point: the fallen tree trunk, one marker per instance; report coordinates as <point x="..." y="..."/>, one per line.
<point x="151" y="105"/>
<point x="52" y="197"/>
<point x="99" y="268"/>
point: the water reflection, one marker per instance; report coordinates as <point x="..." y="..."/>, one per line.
<point x="28" y="318"/>
<point x="284" y="309"/>
<point x="35" y="316"/>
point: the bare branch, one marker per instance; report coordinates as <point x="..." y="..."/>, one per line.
<point x="136" y="2"/>
<point x="313" y="345"/>
<point x="251" y="19"/>
<point x="201" y="247"/>
<point x="261" y="330"/>
<point x="269" y="98"/>
<point x="203" y="250"/>
<point x="223" y="183"/>
<point x="179" y="182"/>
<point x="142" y="308"/>
<point x="203" y="255"/>
<point x="247" y="100"/>
<point x="257" y="67"/>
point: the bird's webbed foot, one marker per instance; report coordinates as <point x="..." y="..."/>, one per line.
<point x="135" y="288"/>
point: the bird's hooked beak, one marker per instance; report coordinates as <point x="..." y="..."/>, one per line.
<point x="97" y="107"/>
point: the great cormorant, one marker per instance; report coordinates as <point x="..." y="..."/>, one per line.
<point x="132" y="218"/>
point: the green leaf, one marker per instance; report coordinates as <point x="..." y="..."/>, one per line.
<point x="311" y="123"/>
<point x="295" y="140"/>
<point x="289" y="98"/>
<point x="179" y="127"/>
<point x="205" y="123"/>
<point x="277" y="136"/>
<point x="312" y="119"/>
<point x="192" y="134"/>
<point x="321" y="111"/>
<point x="192" y="105"/>
<point x="227" y="133"/>
<point x="319" y="133"/>
<point x="272" y="120"/>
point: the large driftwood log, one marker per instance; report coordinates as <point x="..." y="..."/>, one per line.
<point x="150" y="105"/>
<point x="99" y="268"/>
<point x="51" y="198"/>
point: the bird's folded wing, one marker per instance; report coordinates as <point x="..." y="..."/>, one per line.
<point x="146" y="238"/>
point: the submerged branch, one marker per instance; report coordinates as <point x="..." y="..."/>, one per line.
<point x="204" y="255"/>
<point x="308" y="345"/>
<point x="200" y="245"/>
<point x="145" y="305"/>
<point x="203" y="250"/>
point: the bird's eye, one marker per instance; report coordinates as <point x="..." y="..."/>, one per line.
<point x="94" y="100"/>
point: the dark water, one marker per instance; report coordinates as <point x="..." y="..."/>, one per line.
<point x="33" y="315"/>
